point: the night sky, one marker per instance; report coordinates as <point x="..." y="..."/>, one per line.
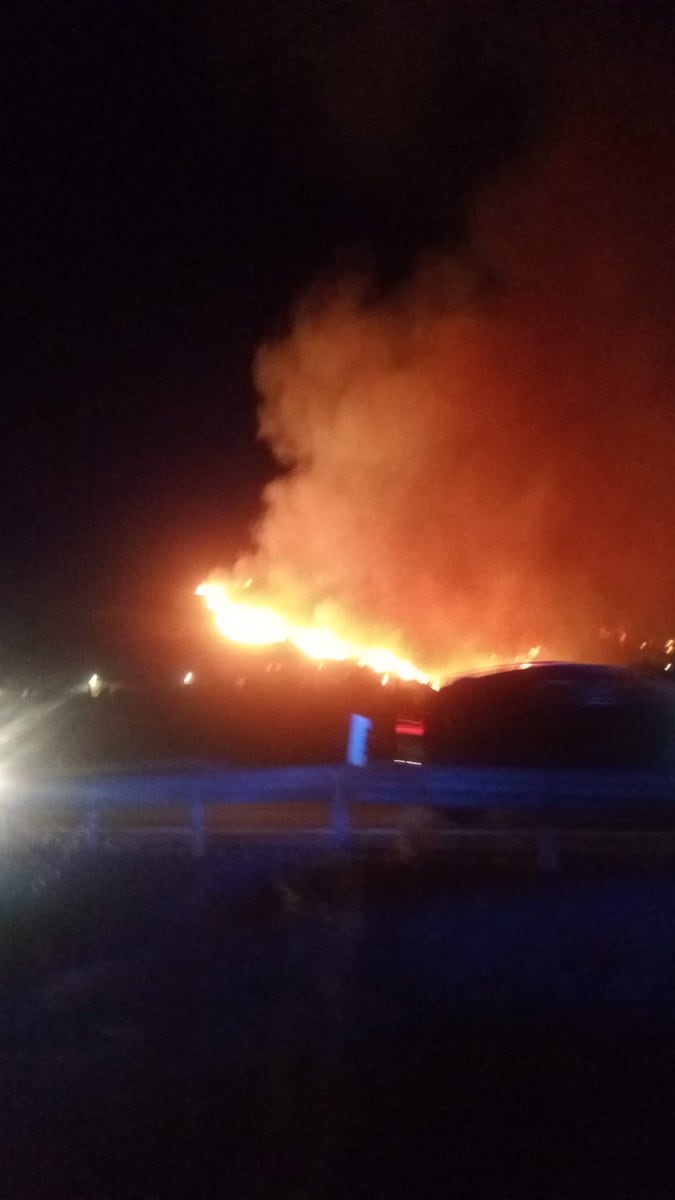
<point x="176" y="176"/>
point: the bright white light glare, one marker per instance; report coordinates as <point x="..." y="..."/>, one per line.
<point x="668" y="667"/>
<point x="95" y="684"/>
<point x="188" y="677"/>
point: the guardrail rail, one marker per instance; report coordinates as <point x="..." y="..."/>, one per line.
<point x="538" y="797"/>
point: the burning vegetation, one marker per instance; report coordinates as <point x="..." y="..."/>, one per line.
<point x="477" y="463"/>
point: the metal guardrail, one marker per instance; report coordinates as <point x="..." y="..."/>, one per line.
<point x="537" y="794"/>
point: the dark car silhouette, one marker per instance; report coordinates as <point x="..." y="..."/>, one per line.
<point x="553" y="714"/>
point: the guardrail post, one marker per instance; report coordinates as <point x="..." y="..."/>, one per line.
<point x="548" y="851"/>
<point x="91" y="826"/>
<point x="198" y="824"/>
<point x="7" y="820"/>
<point x="340" y="821"/>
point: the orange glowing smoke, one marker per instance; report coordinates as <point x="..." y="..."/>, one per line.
<point x="481" y="457"/>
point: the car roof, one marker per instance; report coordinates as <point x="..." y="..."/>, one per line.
<point x="563" y="670"/>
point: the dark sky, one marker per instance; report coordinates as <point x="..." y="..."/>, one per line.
<point x="176" y="175"/>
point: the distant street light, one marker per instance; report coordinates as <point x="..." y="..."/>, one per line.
<point x="95" y="684"/>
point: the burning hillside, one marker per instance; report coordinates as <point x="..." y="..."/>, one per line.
<point x="479" y="461"/>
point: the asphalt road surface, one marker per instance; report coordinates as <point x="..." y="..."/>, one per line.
<point x="256" y="1024"/>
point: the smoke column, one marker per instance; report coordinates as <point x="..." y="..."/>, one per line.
<point x="482" y="459"/>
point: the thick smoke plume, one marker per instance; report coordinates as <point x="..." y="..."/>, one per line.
<point x="483" y="459"/>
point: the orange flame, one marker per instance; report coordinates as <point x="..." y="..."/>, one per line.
<point x="255" y="623"/>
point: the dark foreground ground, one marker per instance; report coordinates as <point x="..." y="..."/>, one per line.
<point x="260" y="1023"/>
